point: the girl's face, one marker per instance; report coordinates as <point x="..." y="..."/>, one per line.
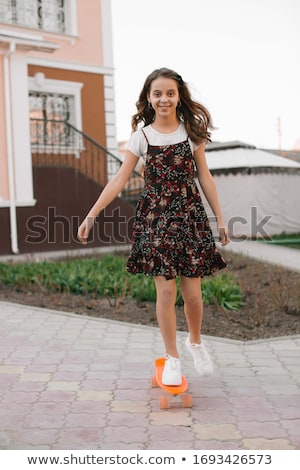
<point x="164" y="96"/>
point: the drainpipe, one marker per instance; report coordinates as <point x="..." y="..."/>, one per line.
<point x="10" y="159"/>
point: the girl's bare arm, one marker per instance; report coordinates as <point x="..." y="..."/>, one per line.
<point x="208" y="187"/>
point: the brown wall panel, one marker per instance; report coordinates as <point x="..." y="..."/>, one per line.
<point x="5" y="231"/>
<point x="64" y="196"/>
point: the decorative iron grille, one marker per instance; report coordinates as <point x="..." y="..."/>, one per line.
<point x="50" y="111"/>
<point x="48" y="15"/>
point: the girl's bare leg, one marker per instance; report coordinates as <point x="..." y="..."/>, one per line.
<point x="165" y="312"/>
<point x="193" y="306"/>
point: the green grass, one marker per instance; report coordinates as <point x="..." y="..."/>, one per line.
<point x="107" y="276"/>
<point x="290" y="240"/>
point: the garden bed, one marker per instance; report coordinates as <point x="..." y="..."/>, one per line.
<point x="270" y="294"/>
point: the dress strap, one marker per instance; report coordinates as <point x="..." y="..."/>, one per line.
<point x="145" y="136"/>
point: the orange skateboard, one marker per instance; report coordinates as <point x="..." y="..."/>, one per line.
<point x="164" y="401"/>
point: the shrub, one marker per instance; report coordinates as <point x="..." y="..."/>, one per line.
<point x="223" y="290"/>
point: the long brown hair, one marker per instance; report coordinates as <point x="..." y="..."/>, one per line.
<point x="196" y="118"/>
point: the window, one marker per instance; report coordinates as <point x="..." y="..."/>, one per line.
<point x="48" y="114"/>
<point x="48" y="15"/>
<point x="53" y="106"/>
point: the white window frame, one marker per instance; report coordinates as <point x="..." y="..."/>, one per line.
<point x="71" y="18"/>
<point x="40" y="84"/>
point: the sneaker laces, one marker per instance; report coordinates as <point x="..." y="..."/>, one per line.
<point x="201" y="350"/>
<point x="173" y="361"/>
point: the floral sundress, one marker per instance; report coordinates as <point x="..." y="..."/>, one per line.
<point x="171" y="232"/>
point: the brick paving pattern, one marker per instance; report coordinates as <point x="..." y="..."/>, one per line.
<point x="75" y="382"/>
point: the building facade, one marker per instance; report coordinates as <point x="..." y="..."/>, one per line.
<point x="57" y="130"/>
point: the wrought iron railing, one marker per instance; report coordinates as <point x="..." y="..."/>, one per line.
<point x="59" y="143"/>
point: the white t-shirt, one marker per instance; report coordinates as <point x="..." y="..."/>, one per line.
<point x="138" y="145"/>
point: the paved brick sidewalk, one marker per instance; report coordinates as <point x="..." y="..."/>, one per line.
<point x="274" y="254"/>
<point x="74" y="382"/>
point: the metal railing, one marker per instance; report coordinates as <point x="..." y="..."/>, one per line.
<point x="59" y="143"/>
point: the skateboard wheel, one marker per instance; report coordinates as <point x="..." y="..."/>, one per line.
<point x="164" y="403"/>
<point x="154" y="382"/>
<point x="187" y="401"/>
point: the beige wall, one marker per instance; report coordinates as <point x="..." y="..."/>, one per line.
<point x="3" y="159"/>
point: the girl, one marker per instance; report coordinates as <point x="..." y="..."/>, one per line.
<point x="171" y="233"/>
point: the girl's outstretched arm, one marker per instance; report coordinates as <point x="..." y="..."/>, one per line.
<point x="209" y="189"/>
<point x="109" y="193"/>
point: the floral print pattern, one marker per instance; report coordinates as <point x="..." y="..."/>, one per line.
<point x="171" y="232"/>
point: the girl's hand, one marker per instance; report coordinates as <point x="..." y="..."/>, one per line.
<point x="223" y="234"/>
<point x="84" y="229"/>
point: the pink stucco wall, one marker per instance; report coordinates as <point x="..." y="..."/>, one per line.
<point x="87" y="48"/>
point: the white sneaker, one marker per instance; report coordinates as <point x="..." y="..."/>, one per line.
<point x="172" y="371"/>
<point x="202" y="361"/>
